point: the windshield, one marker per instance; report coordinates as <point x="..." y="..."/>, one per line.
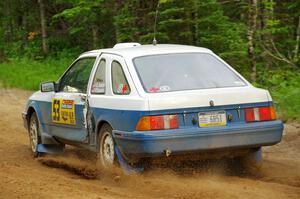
<point x="185" y="71"/>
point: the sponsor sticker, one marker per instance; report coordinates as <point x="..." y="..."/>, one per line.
<point x="63" y="111"/>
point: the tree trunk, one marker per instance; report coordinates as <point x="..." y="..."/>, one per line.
<point x="24" y="30"/>
<point x="196" y="24"/>
<point x="9" y="23"/>
<point x="297" y="40"/>
<point x="95" y="36"/>
<point x="43" y="27"/>
<point x="250" y="36"/>
<point x="267" y="40"/>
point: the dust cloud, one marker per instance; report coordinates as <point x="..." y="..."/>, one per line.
<point x="74" y="174"/>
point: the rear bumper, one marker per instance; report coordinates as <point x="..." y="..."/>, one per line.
<point x="139" y="144"/>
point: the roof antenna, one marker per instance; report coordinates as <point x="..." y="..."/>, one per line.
<point x="155" y="22"/>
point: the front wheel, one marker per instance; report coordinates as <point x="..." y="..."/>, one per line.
<point x="34" y="138"/>
<point x="106" y="147"/>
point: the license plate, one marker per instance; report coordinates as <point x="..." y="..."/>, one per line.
<point x="209" y="119"/>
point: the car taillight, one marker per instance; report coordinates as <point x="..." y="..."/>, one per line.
<point x="159" y="122"/>
<point x="260" y="114"/>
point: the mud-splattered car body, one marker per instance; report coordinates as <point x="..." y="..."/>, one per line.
<point x="157" y="100"/>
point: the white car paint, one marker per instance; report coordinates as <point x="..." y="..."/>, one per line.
<point x="138" y="99"/>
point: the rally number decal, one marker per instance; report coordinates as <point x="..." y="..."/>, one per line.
<point x="63" y="111"/>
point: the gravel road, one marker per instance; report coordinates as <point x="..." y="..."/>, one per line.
<point x="73" y="174"/>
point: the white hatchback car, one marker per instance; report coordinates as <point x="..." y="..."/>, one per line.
<point x="140" y="102"/>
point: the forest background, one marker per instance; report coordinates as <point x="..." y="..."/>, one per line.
<point x="259" y="38"/>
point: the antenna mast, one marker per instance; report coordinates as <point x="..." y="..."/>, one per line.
<point x="155" y="22"/>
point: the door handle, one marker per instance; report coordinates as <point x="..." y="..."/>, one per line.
<point x="82" y="97"/>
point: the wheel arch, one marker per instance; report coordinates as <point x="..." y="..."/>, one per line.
<point x="30" y="111"/>
<point x="98" y="128"/>
<point x="46" y="138"/>
<point x="100" y="124"/>
<point x="34" y="108"/>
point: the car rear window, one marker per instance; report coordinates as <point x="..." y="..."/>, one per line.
<point x="184" y="71"/>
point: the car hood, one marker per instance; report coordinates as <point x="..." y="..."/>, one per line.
<point x="202" y="98"/>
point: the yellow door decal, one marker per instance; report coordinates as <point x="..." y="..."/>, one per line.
<point x="63" y="111"/>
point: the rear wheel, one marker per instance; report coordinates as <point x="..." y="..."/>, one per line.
<point x="34" y="138"/>
<point x="106" y="147"/>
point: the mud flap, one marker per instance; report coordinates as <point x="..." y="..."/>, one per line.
<point x="128" y="169"/>
<point x="50" y="148"/>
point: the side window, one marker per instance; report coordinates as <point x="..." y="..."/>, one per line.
<point x="76" y="78"/>
<point x="98" y="85"/>
<point x="119" y="83"/>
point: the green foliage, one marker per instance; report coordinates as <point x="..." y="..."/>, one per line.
<point x="126" y="25"/>
<point x="28" y="74"/>
<point x="134" y="20"/>
<point x="284" y="86"/>
<point x="75" y="26"/>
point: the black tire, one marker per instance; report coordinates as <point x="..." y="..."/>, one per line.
<point x="106" y="156"/>
<point x="34" y="135"/>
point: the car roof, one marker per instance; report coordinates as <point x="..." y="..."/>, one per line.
<point x="144" y="50"/>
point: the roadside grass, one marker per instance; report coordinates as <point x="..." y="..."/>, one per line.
<point x="287" y="102"/>
<point x="287" y="98"/>
<point x="284" y="86"/>
<point x="28" y="74"/>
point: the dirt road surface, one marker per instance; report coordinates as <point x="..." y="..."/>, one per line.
<point x="72" y="175"/>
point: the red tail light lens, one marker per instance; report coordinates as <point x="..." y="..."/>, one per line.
<point x="260" y="114"/>
<point x="265" y="113"/>
<point x="156" y="122"/>
<point x="249" y="114"/>
<point x="159" y="122"/>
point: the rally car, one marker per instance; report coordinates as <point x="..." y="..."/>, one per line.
<point x="138" y="102"/>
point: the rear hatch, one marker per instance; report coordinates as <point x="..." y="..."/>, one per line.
<point x="200" y="88"/>
<point x="208" y="107"/>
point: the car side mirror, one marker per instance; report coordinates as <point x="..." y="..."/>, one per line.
<point x="48" y="86"/>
